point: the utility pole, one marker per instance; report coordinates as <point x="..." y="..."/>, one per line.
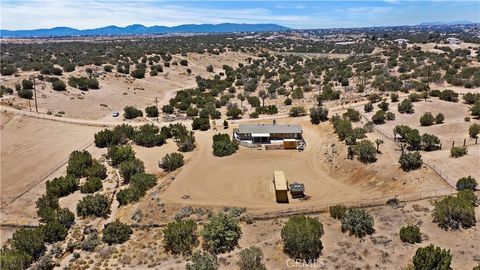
<point x="35" y="93"/>
<point x="156" y="105"/>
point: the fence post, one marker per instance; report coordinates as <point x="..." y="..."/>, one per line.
<point x="464" y="142"/>
<point x="453" y="144"/>
<point x="476" y="140"/>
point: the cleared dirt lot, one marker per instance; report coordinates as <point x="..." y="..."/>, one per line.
<point x="453" y="130"/>
<point x="245" y="178"/>
<point x="31" y="148"/>
<point x="118" y="91"/>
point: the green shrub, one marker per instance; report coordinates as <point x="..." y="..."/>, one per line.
<point x="448" y="95"/>
<point x="59" y="85"/>
<point x="467" y="182"/>
<point x="439" y="118"/>
<point x="337" y="211"/>
<point x="379" y="117"/>
<point x="297" y="111"/>
<point x="200" y="123"/>
<point x="251" y="259"/>
<point x="11" y="259"/>
<point x="358" y="222"/>
<point x="454" y="212"/>
<point x="168" y="109"/>
<point x="234" y="113"/>
<point x="27" y="84"/>
<point x="29" y="241"/>
<point x="406" y="106"/>
<point x="54" y="231"/>
<point x="475" y="110"/>
<point x="427" y="119"/>
<point x="94" y="205"/>
<point x="147" y="136"/>
<point x="116" y="233"/>
<point x="78" y="163"/>
<point x="130" y="112"/>
<point x="366" y="151"/>
<point x="318" y="114"/>
<point x="411" y="234"/>
<point x="138" y="73"/>
<point x="62" y="186"/>
<point x="458" y="151"/>
<point x="368" y="107"/>
<point x="93" y="184"/>
<point x="131" y="167"/>
<point x="352" y="114"/>
<point x="151" y="111"/>
<point x="430" y="142"/>
<point x="410" y="161"/>
<point x="221" y="233"/>
<point x="432" y="257"/>
<point x="24" y="93"/>
<point x="97" y="169"/>
<point x="186" y="143"/>
<point x="223" y="145"/>
<point x="180" y="237"/>
<point x="143" y="181"/>
<point x="171" y="162"/>
<point x="474" y="130"/>
<point x="202" y="261"/>
<point x="384" y="106"/>
<point x="302" y="238"/>
<point x="390" y="116"/>
<point x="119" y="154"/>
<point x="394" y="97"/>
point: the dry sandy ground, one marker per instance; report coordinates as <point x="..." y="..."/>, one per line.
<point x="117" y="91"/>
<point x="454" y="129"/>
<point x="31" y="148"/>
<point x="382" y="250"/>
<point x="245" y="178"/>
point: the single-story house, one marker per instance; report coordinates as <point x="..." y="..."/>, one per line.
<point x="269" y="134"/>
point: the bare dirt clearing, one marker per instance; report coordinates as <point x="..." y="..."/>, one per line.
<point x="32" y="148"/>
<point x="453" y="130"/>
<point x="117" y="90"/>
<point x="245" y="178"/>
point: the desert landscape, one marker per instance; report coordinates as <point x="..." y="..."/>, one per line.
<point x="130" y="152"/>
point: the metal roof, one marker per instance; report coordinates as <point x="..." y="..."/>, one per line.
<point x="269" y="128"/>
<point x="297" y="187"/>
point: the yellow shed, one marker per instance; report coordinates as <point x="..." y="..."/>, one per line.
<point x="281" y="187"/>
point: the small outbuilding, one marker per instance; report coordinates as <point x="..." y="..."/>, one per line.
<point x="297" y="190"/>
<point x="281" y="187"/>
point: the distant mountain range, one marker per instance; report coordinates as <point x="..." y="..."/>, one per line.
<point x="445" y="23"/>
<point x="138" y="29"/>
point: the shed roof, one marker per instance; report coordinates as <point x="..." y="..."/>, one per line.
<point x="280" y="182"/>
<point x="269" y="128"/>
<point x="297" y="187"/>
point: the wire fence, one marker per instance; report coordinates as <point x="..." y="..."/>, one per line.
<point x="365" y="203"/>
<point x="47" y="174"/>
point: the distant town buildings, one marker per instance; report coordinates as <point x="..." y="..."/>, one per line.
<point x="452" y="40"/>
<point x="401" y="41"/>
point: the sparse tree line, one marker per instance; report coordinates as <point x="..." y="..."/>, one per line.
<point x="28" y="245"/>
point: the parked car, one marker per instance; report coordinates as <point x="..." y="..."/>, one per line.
<point x="301" y="147"/>
<point x="115" y="114"/>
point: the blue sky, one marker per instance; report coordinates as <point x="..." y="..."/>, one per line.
<point x="84" y="14"/>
